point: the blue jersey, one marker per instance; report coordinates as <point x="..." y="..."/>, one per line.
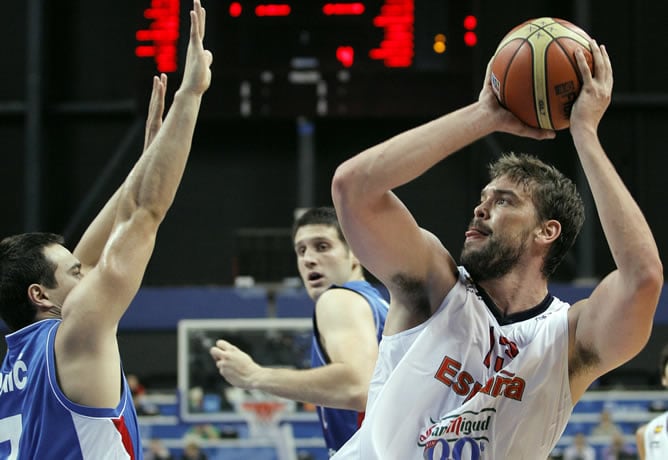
<point x="338" y="425"/>
<point x="37" y="421"/>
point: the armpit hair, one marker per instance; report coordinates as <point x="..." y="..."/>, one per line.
<point x="584" y="358"/>
<point x="412" y="293"/>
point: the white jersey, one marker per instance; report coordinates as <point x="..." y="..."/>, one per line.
<point x="469" y="384"/>
<point x="656" y="438"/>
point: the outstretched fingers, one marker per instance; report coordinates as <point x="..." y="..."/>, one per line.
<point x="596" y="91"/>
<point x="601" y="65"/>
<point x="197" y="73"/>
<point x="604" y="67"/>
<point x="197" y="22"/>
<point x="156" y="108"/>
<point x="202" y="21"/>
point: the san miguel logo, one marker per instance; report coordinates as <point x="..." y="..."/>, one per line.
<point x="469" y="424"/>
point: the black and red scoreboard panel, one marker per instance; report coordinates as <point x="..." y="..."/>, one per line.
<point x="321" y="58"/>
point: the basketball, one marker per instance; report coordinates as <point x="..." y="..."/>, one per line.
<point x="534" y="73"/>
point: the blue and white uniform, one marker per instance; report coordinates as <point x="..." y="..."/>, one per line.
<point x="469" y="384"/>
<point x="37" y="421"/>
<point x="338" y="425"/>
<point x="656" y="438"/>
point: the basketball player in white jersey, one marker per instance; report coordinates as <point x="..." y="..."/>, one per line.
<point x="652" y="438"/>
<point x="479" y="360"/>
<point x="63" y="392"/>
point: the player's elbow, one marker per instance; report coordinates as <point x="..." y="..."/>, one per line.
<point x="357" y="398"/>
<point x="649" y="279"/>
<point x="142" y="208"/>
<point x="657" y="272"/>
<point x="339" y="185"/>
<point x="346" y="184"/>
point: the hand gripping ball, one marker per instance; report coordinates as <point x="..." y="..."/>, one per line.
<point x="534" y="73"/>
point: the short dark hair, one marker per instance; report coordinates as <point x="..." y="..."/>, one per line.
<point x="22" y="263"/>
<point x="554" y="195"/>
<point x="323" y="215"/>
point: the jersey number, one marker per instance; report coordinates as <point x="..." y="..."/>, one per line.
<point x="10" y="431"/>
<point x="511" y="351"/>
<point x="458" y="450"/>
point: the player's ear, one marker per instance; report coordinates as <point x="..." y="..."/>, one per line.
<point x="355" y="261"/>
<point x="38" y="296"/>
<point x="549" y="231"/>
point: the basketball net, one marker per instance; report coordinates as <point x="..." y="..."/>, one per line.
<point x="263" y="419"/>
<point x="261" y="416"/>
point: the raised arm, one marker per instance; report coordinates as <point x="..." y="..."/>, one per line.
<point x="379" y="228"/>
<point x="86" y="346"/>
<point x="89" y="248"/>
<point x="614" y="324"/>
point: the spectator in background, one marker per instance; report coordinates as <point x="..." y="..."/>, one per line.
<point x="617" y="449"/>
<point x="138" y="390"/>
<point x="555" y="455"/>
<point x="348" y="321"/>
<point x="580" y="449"/>
<point x="196" y="399"/>
<point x="203" y="431"/>
<point x="606" y="426"/>
<point x="652" y="438"/>
<point x="157" y="451"/>
<point x="192" y="451"/>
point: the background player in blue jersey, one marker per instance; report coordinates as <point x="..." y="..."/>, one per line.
<point x="348" y="322"/>
<point x="63" y="393"/>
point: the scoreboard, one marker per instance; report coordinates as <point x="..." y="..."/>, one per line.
<point x="285" y="58"/>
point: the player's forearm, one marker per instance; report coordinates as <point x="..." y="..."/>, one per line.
<point x="90" y="246"/>
<point x="408" y="155"/>
<point x="330" y="386"/>
<point x="627" y="232"/>
<point x="154" y="182"/>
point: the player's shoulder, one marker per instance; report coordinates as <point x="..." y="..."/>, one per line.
<point x="339" y="294"/>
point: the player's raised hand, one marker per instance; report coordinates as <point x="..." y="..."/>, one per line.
<point x="596" y="92"/>
<point x="505" y="121"/>
<point x="197" y="72"/>
<point x="156" y="108"/>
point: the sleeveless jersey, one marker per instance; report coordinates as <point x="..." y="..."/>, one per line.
<point x="37" y="421"/>
<point x="656" y="438"/>
<point x="338" y="425"/>
<point x="469" y="384"/>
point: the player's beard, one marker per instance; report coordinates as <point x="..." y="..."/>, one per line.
<point x="494" y="260"/>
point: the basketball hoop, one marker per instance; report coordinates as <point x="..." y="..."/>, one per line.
<point x="263" y="419"/>
<point x="262" y="415"/>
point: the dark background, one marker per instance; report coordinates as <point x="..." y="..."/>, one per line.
<point x="73" y="97"/>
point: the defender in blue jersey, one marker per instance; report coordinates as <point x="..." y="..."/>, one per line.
<point x="63" y="393"/>
<point x="348" y="322"/>
<point x="338" y="425"/>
